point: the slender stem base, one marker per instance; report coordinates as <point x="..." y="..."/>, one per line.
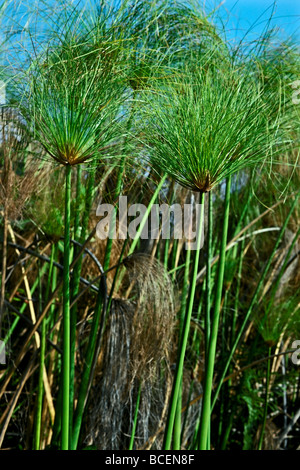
<point x="206" y="403"/>
<point x="66" y="318"/>
<point x="184" y="335"/>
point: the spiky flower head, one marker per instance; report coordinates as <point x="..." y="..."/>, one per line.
<point x="202" y="126"/>
<point x="72" y="103"/>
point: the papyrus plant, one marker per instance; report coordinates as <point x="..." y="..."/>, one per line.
<point x="201" y="127"/>
<point x="72" y="106"/>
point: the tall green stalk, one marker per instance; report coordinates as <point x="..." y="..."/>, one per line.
<point x="177" y="420"/>
<point x="80" y="235"/>
<point x="74" y="290"/>
<point x="208" y="285"/>
<point x="184" y="338"/>
<point x="237" y="292"/>
<point x="206" y="402"/>
<point x="136" y="411"/>
<point x="66" y="317"/>
<point x="208" y="272"/>
<point x="86" y="375"/>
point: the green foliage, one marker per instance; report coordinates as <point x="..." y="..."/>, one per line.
<point x="148" y="100"/>
<point x="72" y="103"/>
<point x="205" y="125"/>
<point x="249" y="394"/>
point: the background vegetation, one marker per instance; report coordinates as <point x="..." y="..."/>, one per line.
<point x="147" y="344"/>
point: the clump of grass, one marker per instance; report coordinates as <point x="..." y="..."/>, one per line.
<point x="138" y="351"/>
<point x="154" y="317"/>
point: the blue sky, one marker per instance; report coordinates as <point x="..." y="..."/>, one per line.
<point x="238" y="15"/>
<point x="254" y="14"/>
